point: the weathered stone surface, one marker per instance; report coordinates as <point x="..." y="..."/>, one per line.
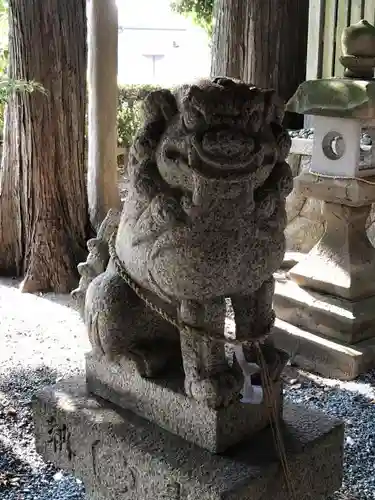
<point x="302" y="147"/>
<point x="336" y="97"/>
<point x="305" y="221"/>
<point x="335" y="299"/>
<point x="351" y="192"/>
<point x="329" y="321"/>
<point x="221" y="182"/>
<point x="290" y="260"/>
<point x="333" y="317"/>
<point x="165" y="403"/>
<point x="203" y="220"/>
<point x="98" y="257"/>
<point x="317" y="354"/>
<point x="119" y="455"/>
<point x="343" y="260"/>
<point x="358" y="40"/>
<point x="358" y="50"/>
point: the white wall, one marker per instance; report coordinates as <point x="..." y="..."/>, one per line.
<point x="150" y="28"/>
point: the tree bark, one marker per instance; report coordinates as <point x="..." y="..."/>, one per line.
<point x="229" y="43"/>
<point x="11" y="238"/>
<point x="43" y="203"/>
<point x="263" y="42"/>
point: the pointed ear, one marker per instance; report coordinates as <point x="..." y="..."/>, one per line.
<point x="159" y="105"/>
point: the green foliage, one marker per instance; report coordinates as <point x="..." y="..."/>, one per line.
<point x="129" y="113"/>
<point x="200" y="11"/>
<point x="130" y="98"/>
<point x="7" y="87"/>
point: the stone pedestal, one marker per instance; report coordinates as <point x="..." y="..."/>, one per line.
<point x="119" y="455"/>
<point x="327" y="301"/>
<point x="190" y="411"/>
<point x="164" y="402"/>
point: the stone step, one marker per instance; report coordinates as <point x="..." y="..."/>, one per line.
<point x="336" y="318"/>
<point x="329" y="358"/>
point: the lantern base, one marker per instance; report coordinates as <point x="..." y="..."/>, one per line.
<point x="328" y="335"/>
<point x="331" y="359"/>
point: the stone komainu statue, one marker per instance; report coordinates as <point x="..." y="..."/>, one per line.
<point x="203" y="222"/>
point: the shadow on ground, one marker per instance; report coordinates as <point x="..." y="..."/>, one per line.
<point x="23" y="473"/>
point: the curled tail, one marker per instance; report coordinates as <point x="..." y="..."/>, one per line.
<point x="98" y="256"/>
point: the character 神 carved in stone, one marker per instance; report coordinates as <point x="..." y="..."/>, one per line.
<point x="203" y="221"/>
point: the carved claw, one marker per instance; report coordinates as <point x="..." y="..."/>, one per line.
<point x="93" y="331"/>
<point x="217" y="391"/>
<point x="149" y="364"/>
<point x="166" y="211"/>
<point x="152" y="359"/>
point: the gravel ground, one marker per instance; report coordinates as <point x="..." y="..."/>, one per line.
<point x="43" y="339"/>
<point x="353" y="403"/>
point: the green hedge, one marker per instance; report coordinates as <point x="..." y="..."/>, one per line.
<point x="130" y="98"/>
<point x="128" y="111"/>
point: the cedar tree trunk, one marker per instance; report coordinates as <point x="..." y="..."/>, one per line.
<point x="43" y="204"/>
<point x="263" y="42"/>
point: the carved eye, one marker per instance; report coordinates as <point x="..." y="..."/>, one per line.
<point x="192" y="115"/>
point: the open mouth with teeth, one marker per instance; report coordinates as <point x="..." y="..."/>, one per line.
<point x="224" y="151"/>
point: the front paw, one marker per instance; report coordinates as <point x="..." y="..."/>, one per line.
<point x="149" y="364"/>
<point x="217" y="391"/>
<point x="166" y="211"/>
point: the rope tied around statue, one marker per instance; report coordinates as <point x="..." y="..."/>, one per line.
<point x="204" y="335"/>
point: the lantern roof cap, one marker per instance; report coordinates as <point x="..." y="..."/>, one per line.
<point x="352" y="96"/>
<point x="336" y="97"/>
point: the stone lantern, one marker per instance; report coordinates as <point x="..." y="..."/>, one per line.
<point x="337" y="149"/>
<point x="326" y="303"/>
